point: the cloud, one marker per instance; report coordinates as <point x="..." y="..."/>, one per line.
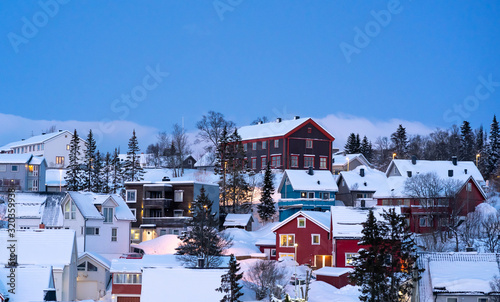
<point x="341" y="125"/>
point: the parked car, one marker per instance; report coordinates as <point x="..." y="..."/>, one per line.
<point x="131" y="256"/>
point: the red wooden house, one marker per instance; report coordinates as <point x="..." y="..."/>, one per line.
<point x="299" y="143"/>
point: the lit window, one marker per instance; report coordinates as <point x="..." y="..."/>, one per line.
<point x="309" y="143"/>
<point x="301" y="222"/>
<point x="303" y="194"/>
<point x="287" y="240"/>
<point x="114" y="234"/>
<point x="179" y="195"/>
<point x="308" y="161"/>
<point x="264" y="144"/>
<point x="294" y="161"/>
<point x="70" y="210"/>
<point x="349" y="258"/>
<point x="67" y="147"/>
<point x="276" y="143"/>
<point x="108" y="215"/>
<point x="131" y="196"/>
<point x="127" y="278"/>
<point x="315" y="238"/>
<point x="322" y="163"/>
<point x="60" y="160"/>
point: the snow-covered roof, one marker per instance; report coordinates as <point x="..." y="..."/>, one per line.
<point x="31" y="281"/>
<point x="86" y="202"/>
<point x="158" y="281"/>
<point x="332" y="271"/>
<point x="40" y="247"/>
<point x="341" y="159"/>
<point x="96" y="257"/>
<point x="55" y="177"/>
<point x="207" y="160"/>
<point x="122" y="211"/>
<point x="29" y="205"/>
<point x="273" y="129"/>
<point x="52" y="211"/>
<point x="15" y="158"/>
<point x="347" y="221"/>
<point x="38" y="139"/>
<point x="237" y="220"/>
<point x="158" y="261"/>
<point x="301" y="180"/>
<point x="372" y="180"/>
<point x="161" y="245"/>
<point x="456" y="273"/>
<point x="322" y="219"/>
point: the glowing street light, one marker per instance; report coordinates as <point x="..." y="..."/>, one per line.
<point x="296" y="263"/>
<point x="393" y="156"/>
<point x="477" y="158"/>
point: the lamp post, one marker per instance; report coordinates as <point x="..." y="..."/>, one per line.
<point x="477" y="159"/>
<point x="296" y="263"/>
<point x="393" y="156"/>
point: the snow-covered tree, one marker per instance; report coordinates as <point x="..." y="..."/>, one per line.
<point x="237" y="184"/>
<point x="493" y="149"/>
<point x="221" y="165"/>
<point x="202" y="240"/>
<point x="267" y="278"/>
<point x="400" y="142"/>
<point x="132" y="167"/>
<point x="89" y="159"/>
<point x="266" y="208"/>
<point x="97" y="176"/>
<point x="106" y="173"/>
<point x="73" y="176"/>
<point x="353" y="145"/>
<point x="229" y="282"/>
<point x="117" y="173"/>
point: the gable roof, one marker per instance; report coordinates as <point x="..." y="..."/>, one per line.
<point x="275" y="129"/>
<point x="456" y="273"/>
<point x="52" y="215"/>
<point x="86" y="201"/>
<point x="31" y="282"/>
<point x="347" y="221"/>
<point x="301" y="180"/>
<point x="341" y="159"/>
<point x="97" y="258"/>
<point x="321" y="219"/>
<point x="15" y="158"/>
<point x="38" y="139"/>
<point x="237" y="220"/>
<point x="372" y="180"/>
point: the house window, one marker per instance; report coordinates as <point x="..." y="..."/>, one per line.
<point x="60" y="160"/>
<point x="294" y="161"/>
<point x="34" y="185"/>
<point x="425" y="222"/>
<point x="301" y="222"/>
<point x="451" y="299"/>
<point x="263" y="160"/>
<point x="178" y="213"/>
<point x="469" y="187"/>
<point x="264" y="145"/>
<point x="325" y="195"/>
<point x="276" y="161"/>
<point x="482" y="300"/>
<point x="70" y="210"/>
<point x="254" y="163"/>
<point x="309" y="143"/>
<point x="322" y="162"/>
<point x="3" y="168"/>
<point x="310" y="195"/>
<point x="81" y="267"/>
<point x="254" y="146"/>
<point x="349" y="258"/>
<point x="179" y="195"/>
<point x="315" y="239"/>
<point x="114" y="234"/>
<point x="14" y="168"/>
<point x="67" y="147"/>
<point x="108" y="215"/>
<point x="131" y="196"/>
<point x="134" y="211"/>
<point x="308" y="161"/>
<point x="91" y="231"/>
<point x="38" y="147"/>
<point x="127" y="278"/>
<point x="309" y="130"/>
<point x="276" y="143"/>
<point x="273" y="252"/>
<point x="155" y="213"/>
<point x="245" y="147"/>
<point x="287" y="240"/>
<point x="87" y="266"/>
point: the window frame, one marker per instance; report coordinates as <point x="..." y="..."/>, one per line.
<point x="96" y="231"/>
<point x="263" y="162"/>
<point x="294" y="161"/>
<point x="14" y="168"/>
<point x="127" y="196"/>
<point x="350" y="263"/>
<point x="72" y="210"/>
<point x="253" y="162"/>
<point x="126" y="277"/>
<point x="319" y="239"/>
<point x="264" y="145"/>
<point x="60" y="160"/>
<point x="106" y="213"/>
<point x="114" y="234"/>
<point x="275" y="161"/>
<point x="301" y="222"/>
<point x="309" y="143"/>
<point x="307" y="158"/>
<point x="287" y="240"/>
<point x="177" y="211"/>
<point x="323" y="162"/>
<point x="176" y="192"/>
<point x="254" y="145"/>
<point x="276" y="143"/>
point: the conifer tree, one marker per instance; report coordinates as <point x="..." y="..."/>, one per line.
<point x="132" y="167"/>
<point x="73" y="176"/>
<point x="467" y="142"/>
<point x="237" y="185"/>
<point x="106" y="173"/>
<point x="480" y="149"/>
<point x="221" y="165"/>
<point x="400" y="141"/>
<point x="202" y="240"/>
<point x="366" y="148"/>
<point x="229" y="282"/>
<point x="493" y="149"/>
<point x="117" y="176"/>
<point x="97" y="177"/>
<point x="266" y="208"/>
<point x="89" y="159"/>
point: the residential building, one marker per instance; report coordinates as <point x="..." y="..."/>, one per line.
<point x="42" y="255"/>
<point x="22" y="172"/>
<point x="54" y="147"/>
<point x="356" y="187"/>
<point x="347" y="162"/>
<point x="454" y="277"/>
<point x="163" y="207"/>
<point x="102" y="222"/>
<point x="299" y="143"/>
<point x="306" y="190"/>
<point x="93" y="276"/>
<point x="240" y="221"/>
<point x="336" y="276"/>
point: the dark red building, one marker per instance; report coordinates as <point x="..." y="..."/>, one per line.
<point x="299" y="143"/>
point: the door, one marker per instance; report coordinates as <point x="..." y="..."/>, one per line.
<point x="322" y="260"/>
<point x="129" y="299"/>
<point x="87" y="290"/>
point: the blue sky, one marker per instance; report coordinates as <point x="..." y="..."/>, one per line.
<point x="426" y="64"/>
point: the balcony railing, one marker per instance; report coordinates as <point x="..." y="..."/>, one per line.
<point x="166" y="221"/>
<point x="158" y="202"/>
<point x="305" y="202"/>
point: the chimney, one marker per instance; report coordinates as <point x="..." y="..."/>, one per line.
<point x="60" y="130"/>
<point x="43" y="133"/>
<point x="465" y="171"/>
<point x="165" y="178"/>
<point x="201" y="262"/>
<point x="41" y="226"/>
<point x="278" y="120"/>
<point x="454" y="160"/>
<point x="362" y="172"/>
<point x="311" y="171"/>
<point x="296" y="117"/>
<point x="413" y="159"/>
<point x="450" y="173"/>
<point x="260" y="122"/>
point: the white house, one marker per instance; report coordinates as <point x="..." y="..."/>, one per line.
<point x="40" y="252"/>
<point x="93" y="276"/>
<point x="101" y="221"/>
<point x="53" y="146"/>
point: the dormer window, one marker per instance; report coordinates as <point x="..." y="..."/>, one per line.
<point x="108" y="215"/>
<point x="70" y="210"/>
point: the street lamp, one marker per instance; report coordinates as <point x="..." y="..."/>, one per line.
<point x="393" y="156"/>
<point x="347" y="163"/>
<point x="296" y="263"/>
<point x="477" y="158"/>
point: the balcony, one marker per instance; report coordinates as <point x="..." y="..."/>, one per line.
<point x="305" y="203"/>
<point x="158" y="202"/>
<point x="166" y="221"/>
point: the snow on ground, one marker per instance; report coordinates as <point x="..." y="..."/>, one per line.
<point x="244" y="241"/>
<point x="162" y="245"/>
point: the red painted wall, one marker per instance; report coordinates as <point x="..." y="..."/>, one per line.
<point x="343" y="246"/>
<point x="305" y="250"/>
<point x="338" y="282"/>
<point x="133" y="289"/>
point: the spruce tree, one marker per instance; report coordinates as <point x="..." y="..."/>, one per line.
<point x="89" y="159"/>
<point x="266" y="208"/>
<point x="357" y="147"/>
<point x="400" y="142"/>
<point x="202" y="240"/>
<point x="106" y="173"/>
<point x="480" y="149"/>
<point x="350" y="146"/>
<point x="237" y="184"/>
<point x="467" y="142"/>
<point x="229" y="282"/>
<point x="132" y="167"/>
<point x="97" y="177"/>
<point x="221" y="165"/>
<point x="117" y="174"/>
<point x="493" y="150"/>
<point x="73" y="176"/>
<point x="366" y="148"/>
